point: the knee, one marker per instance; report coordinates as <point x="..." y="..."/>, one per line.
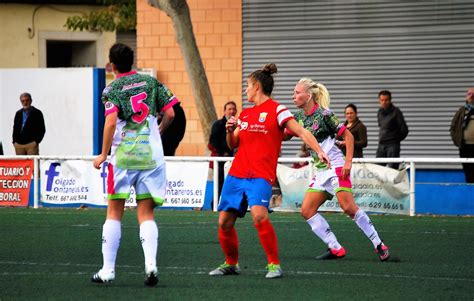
<point x="225" y="225"/>
<point x="306" y="213"/>
<point x="350" y="209"/>
<point x="259" y="218"/>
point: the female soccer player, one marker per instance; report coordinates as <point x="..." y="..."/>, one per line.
<point x="132" y="102"/>
<point x="313" y="100"/>
<point x="258" y="133"/>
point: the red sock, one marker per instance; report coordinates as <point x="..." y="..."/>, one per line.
<point x="268" y="239"/>
<point x="229" y="244"/>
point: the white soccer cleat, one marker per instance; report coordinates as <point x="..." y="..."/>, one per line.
<point x="226" y="269"/>
<point x="274" y="271"/>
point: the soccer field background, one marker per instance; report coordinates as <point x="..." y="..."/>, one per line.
<point x="52" y="253"/>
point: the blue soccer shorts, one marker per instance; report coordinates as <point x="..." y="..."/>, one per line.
<point x="238" y="194"/>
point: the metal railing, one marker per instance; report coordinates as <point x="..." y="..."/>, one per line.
<point x="410" y="162"/>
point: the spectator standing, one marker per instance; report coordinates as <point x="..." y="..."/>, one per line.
<point x="217" y="140"/>
<point x="357" y="129"/>
<point x="392" y="128"/>
<point x="174" y="133"/>
<point x="28" y="127"/>
<point x="462" y="133"/>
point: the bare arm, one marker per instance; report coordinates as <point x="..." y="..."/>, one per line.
<point x="349" y="139"/>
<point x="307" y="138"/>
<point x="168" y="117"/>
<point x="109" y="129"/>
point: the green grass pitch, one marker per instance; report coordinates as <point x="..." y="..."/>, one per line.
<point x="50" y="254"/>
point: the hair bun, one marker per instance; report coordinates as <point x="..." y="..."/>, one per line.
<point x="270" y="68"/>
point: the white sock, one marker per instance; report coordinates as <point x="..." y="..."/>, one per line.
<point x="365" y="224"/>
<point x="321" y="228"/>
<point x="149" y="240"/>
<point x="111" y="233"/>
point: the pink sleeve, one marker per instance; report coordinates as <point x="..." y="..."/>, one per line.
<point x="174" y="100"/>
<point x="341" y="130"/>
<point x="110" y="108"/>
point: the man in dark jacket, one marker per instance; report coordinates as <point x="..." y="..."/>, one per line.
<point x="462" y="133"/>
<point x="392" y="128"/>
<point x="217" y="140"/>
<point x="173" y="135"/>
<point x="28" y="128"/>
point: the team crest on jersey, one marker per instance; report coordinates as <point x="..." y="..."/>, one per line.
<point x="108" y="105"/>
<point x="262" y="117"/>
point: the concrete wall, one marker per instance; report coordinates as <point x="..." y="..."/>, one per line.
<point x="66" y="98"/>
<point x="26" y="28"/>
<point x="217" y="25"/>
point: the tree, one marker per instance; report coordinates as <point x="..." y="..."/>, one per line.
<point x="178" y="11"/>
<point x="118" y="15"/>
<point x="121" y="15"/>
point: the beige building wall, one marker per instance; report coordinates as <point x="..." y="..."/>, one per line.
<point x="217" y="25"/>
<point x="25" y="28"/>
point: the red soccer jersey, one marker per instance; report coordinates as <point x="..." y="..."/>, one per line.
<point x="260" y="136"/>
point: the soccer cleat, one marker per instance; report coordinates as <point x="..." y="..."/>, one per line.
<point x="226" y="269"/>
<point x="274" y="271"/>
<point x="382" y="251"/>
<point x="103" y="277"/>
<point x="332" y="254"/>
<point x="151" y="277"/>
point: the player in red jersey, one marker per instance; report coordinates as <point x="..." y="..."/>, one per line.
<point x="258" y="133"/>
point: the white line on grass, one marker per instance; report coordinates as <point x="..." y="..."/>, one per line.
<point x="249" y="226"/>
<point x="174" y="270"/>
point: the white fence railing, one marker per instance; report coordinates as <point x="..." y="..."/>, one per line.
<point x="409" y="162"/>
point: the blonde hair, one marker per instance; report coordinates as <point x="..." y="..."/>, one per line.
<point x="319" y="93"/>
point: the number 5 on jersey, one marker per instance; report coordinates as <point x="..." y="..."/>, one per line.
<point x="140" y="108"/>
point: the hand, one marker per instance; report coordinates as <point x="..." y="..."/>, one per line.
<point x="324" y="158"/>
<point x="231" y="124"/>
<point x="99" y="160"/>
<point x="346" y="170"/>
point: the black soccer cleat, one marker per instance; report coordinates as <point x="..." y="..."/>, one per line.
<point x="103" y="277"/>
<point x="151" y="278"/>
<point x="383" y="252"/>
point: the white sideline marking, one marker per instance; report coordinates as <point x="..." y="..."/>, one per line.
<point x="203" y="271"/>
<point x="196" y="225"/>
<point x="283" y="219"/>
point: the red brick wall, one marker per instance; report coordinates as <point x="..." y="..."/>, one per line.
<point x="217" y="25"/>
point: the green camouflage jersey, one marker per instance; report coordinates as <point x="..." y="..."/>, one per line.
<point x="137" y="99"/>
<point x="324" y="126"/>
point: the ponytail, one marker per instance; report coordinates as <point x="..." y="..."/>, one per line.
<point x="319" y="92"/>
